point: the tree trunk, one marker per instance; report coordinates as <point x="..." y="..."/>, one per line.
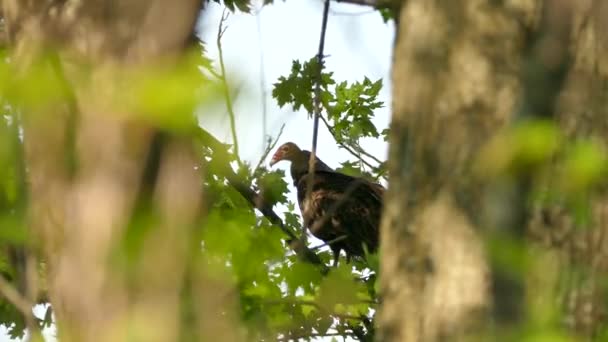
<point x="455" y="85"/>
<point x="461" y="74"/>
<point x="580" y="245"/>
<point x="86" y="155"/>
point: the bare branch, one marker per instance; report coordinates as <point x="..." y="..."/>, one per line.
<point x="222" y="76"/>
<point x="330" y="242"/>
<point x="371" y="3"/>
<point x="347" y="147"/>
<point x="317" y="114"/>
<point x="269" y="147"/>
<point x="263" y="92"/>
<point x="365" y="153"/>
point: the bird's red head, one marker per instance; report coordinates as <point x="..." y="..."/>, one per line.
<point x="287" y="151"/>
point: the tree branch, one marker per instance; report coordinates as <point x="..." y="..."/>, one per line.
<point x="270" y="147"/>
<point x="348" y="148"/>
<point x="14" y="297"/>
<point x="22" y="304"/>
<point x="317" y="113"/>
<point x="258" y="202"/>
<point x="365" y="153"/>
<point x="220" y="33"/>
<point x="263" y="92"/>
<point x="371" y="3"/>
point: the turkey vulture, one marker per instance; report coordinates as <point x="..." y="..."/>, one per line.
<point x="344" y="211"/>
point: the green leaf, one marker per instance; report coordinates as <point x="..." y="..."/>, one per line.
<point x="273" y="186"/>
<point x="338" y="287"/>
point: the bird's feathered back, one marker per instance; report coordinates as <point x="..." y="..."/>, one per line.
<point x="342" y="210"/>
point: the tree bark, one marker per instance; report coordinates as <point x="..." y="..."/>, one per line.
<point x="580" y="246"/>
<point x="85" y="157"/>
<point x="455" y="84"/>
<point x="461" y="74"/>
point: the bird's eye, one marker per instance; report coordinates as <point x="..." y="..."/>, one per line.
<point x="285" y="148"/>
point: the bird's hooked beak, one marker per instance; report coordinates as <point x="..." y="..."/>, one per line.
<point x="277" y="157"/>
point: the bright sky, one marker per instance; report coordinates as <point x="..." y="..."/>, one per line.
<point x="358" y="44"/>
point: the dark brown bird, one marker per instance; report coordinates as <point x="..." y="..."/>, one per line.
<point x="344" y="211"/>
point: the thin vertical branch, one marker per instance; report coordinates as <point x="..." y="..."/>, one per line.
<point x="269" y="147"/>
<point x="227" y="97"/>
<point x="263" y="93"/>
<point x="317" y="114"/>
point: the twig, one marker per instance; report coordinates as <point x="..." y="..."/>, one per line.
<point x="270" y="147"/>
<point x="371" y="3"/>
<point x="330" y="242"/>
<point x="214" y="74"/>
<point x="344" y="146"/>
<point x="367" y="154"/>
<point x="220" y="33"/>
<point x="317" y="114"/>
<point x="263" y="93"/>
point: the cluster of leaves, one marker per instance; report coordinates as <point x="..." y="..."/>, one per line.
<point x="279" y="294"/>
<point x="12" y="218"/>
<point x="349" y="112"/>
<point x="349" y="109"/>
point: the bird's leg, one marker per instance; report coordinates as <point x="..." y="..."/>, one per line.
<point x="336" y="252"/>
<point x="336" y="257"/>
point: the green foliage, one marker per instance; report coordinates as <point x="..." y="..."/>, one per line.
<point x="297" y="89"/>
<point x="352" y="108"/>
<point x="12" y="233"/>
<point x="279" y="295"/>
<point x="387" y="14"/>
<point x="530" y="149"/>
<point x="522" y="148"/>
<point x="12" y="319"/>
<point x="273" y="186"/>
<point x="345" y="294"/>
<point x="349" y="108"/>
<point x="353" y="169"/>
<point x="241" y="5"/>
<point x="584" y="165"/>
